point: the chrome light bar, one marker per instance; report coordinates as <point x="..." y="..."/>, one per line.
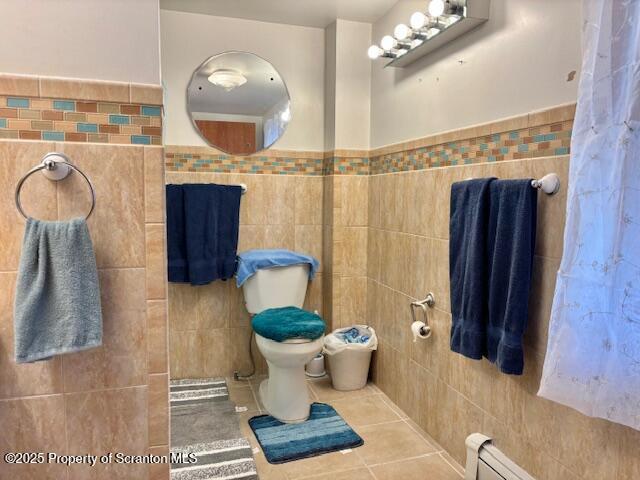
<point x="443" y="21"/>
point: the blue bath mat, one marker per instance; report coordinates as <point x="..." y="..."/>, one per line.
<point x="325" y="431"/>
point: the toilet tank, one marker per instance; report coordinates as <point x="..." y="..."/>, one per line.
<point x="276" y="287"/>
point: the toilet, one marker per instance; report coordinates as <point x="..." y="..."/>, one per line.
<point x="284" y="394"/>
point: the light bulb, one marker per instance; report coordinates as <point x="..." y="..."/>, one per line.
<point x="402" y="32"/>
<point x="374" y="52"/>
<point x="388" y="42"/>
<point x="436" y="8"/>
<point x="418" y="20"/>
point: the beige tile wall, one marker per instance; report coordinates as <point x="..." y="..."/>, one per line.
<point x="345" y="226"/>
<point x="327" y="249"/>
<point x="383" y="241"/>
<point x="446" y="394"/>
<point x="113" y="398"/>
<point x="209" y="325"/>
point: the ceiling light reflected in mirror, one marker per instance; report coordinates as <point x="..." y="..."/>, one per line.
<point x="227" y="79"/>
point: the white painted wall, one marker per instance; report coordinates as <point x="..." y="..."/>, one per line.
<point x="117" y="40"/>
<point x="347" y="86"/>
<point x="188" y="39"/>
<point x="515" y="63"/>
<point x="352" y="85"/>
<point x="330" y="87"/>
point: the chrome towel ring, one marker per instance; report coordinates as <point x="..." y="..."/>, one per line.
<point x="55" y="166"/>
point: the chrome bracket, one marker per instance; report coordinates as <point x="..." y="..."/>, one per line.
<point x="430" y="302"/>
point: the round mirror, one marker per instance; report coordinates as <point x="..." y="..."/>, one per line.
<point x="238" y="102"/>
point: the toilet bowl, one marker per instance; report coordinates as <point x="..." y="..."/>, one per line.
<point x="284" y="394"/>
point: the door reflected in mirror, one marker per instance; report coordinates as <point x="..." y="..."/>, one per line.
<point x="239" y="103"/>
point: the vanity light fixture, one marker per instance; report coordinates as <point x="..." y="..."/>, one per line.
<point x="375" y="52"/>
<point x="388" y="43"/>
<point x="403" y="33"/>
<point x="443" y="21"/>
<point x="418" y="21"/>
<point x="436" y="8"/>
<point x="227" y="79"/>
<point x="392" y="47"/>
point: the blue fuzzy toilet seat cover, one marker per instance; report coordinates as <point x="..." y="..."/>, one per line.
<point x="287" y="323"/>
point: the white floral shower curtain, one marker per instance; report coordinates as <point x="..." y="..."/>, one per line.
<point x="593" y="352"/>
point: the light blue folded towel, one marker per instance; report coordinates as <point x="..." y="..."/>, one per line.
<point x="57" y="301"/>
<point x="253" y="260"/>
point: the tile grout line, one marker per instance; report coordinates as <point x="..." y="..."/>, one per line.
<point x="437" y="239"/>
<point x="318" y="475"/>
<point x="378" y="424"/>
<point x="461" y="475"/>
<point x="255" y="398"/>
<point x="64" y="416"/>
<point x="403" y="293"/>
<point x="96" y="390"/>
<point x="370" y="470"/>
<point x="437" y="447"/>
<point x="400" y="460"/>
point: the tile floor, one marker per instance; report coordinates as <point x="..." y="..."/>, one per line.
<point x="395" y="447"/>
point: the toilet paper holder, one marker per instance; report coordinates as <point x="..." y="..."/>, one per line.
<point x="430" y="302"/>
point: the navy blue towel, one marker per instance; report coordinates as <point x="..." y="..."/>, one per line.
<point x="511" y="242"/>
<point x="202" y="232"/>
<point x="177" y="264"/>
<point x="468" y="229"/>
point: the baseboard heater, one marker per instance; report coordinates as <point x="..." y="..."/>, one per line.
<point x="486" y="462"/>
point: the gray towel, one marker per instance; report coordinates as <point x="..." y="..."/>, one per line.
<point x="57" y="303"/>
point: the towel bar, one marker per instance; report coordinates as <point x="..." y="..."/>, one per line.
<point x="55" y="166"/>
<point x="549" y="184"/>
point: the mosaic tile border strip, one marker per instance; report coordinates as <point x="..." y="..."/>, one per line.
<point x="80" y="110"/>
<point x="291" y="163"/>
<point x="222" y="163"/>
<point x="538" y="134"/>
<point x="346" y="166"/>
<point x="79" y="121"/>
<point x="532" y="142"/>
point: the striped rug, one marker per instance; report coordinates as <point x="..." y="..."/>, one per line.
<point x="206" y="442"/>
<point x="325" y="431"/>
<point x="189" y="392"/>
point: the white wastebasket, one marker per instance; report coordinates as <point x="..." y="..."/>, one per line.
<point x="348" y="351"/>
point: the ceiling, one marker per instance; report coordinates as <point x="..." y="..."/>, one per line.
<point x="310" y="13"/>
